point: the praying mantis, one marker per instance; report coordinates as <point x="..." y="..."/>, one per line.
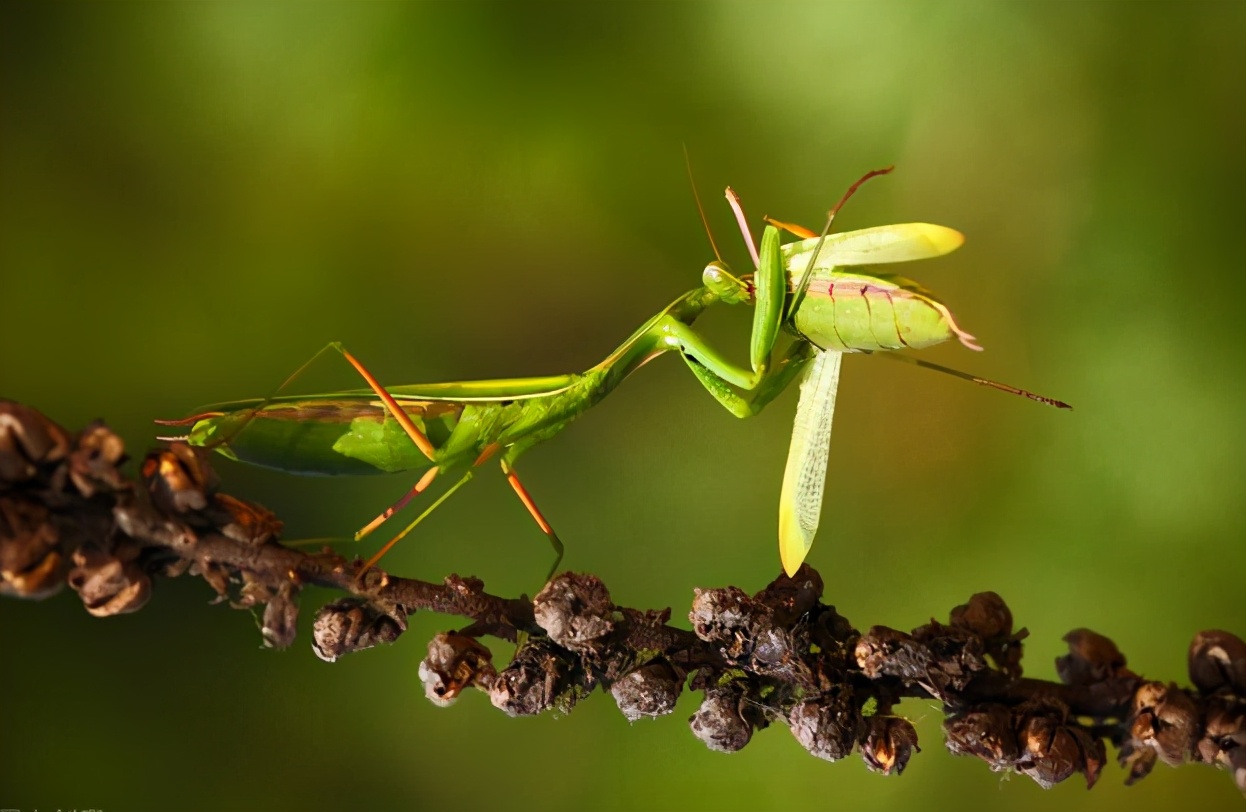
<point x="802" y="288"/>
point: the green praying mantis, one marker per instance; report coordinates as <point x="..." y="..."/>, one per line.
<point x="804" y="288"/>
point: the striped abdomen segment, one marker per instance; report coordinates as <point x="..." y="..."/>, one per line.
<point x="858" y="313"/>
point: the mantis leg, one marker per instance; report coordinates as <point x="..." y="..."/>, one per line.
<point x="793" y="228"/>
<point x="371" y="562"/>
<point x="678" y="336"/>
<point x="768" y="296"/>
<point x="415" y="491"/>
<point x="771" y="383"/>
<point x="418" y="437"/>
<point x="770" y="286"/>
<point x="421" y="441"/>
<point x="513" y="478"/>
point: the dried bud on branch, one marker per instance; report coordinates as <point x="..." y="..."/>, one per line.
<point x="888" y="743"/>
<point x="352" y="624"/>
<point x="109" y="584"/>
<point x="649" y="691"/>
<point x="827" y="726"/>
<point x="720" y="721"/>
<point x="1218" y="663"/>
<point x="455" y="662"/>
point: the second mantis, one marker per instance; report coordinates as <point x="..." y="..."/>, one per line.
<point x="801" y="288"/>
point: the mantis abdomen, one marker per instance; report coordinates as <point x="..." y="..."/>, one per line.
<point x="846" y="312"/>
<point x="354" y="433"/>
<point x="323" y="436"/>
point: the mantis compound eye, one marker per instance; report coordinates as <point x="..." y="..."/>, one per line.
<point x="721" y="283"/>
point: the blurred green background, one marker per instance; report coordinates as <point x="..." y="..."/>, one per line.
<point x="196" y="197"/>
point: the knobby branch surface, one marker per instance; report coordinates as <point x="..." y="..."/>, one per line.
<point x="69" y="515"/>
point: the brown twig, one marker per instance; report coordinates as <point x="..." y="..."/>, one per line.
<point x="69" y="515"/>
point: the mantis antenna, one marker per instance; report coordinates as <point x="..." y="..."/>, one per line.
<point x="700" y="209"/>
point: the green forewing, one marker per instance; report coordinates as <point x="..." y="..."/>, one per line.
<point x="901" y="242"/>
<point x="804" y="478"/>
<point x="494" y="390"/>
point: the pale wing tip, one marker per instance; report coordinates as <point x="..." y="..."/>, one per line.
<point x="941" y="239"/>
<point x="793" y="544"/>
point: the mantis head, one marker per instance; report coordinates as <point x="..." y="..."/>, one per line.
<point x="727" y="287"/>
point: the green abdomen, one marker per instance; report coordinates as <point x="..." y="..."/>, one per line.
<point x="352" y="433"/>
<point x="858" y="313"/>
<point x="347" y="436"/>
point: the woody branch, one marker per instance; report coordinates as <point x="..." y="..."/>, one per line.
<point x="68" y="514"/>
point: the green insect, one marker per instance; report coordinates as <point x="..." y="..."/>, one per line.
<point x="802" y="288"/>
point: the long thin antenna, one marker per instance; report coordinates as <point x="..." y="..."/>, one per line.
<point x="956" y="373"/>
<point x="830" y="218"/>
<point x="700" y="209"/>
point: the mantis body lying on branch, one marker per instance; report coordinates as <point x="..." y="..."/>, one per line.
<point x="803" y="288"/>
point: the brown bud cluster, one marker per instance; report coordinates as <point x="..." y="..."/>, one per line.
<point x="30" y="444"/>
<point x="940" y="659"/>
<point x="69" y="515"/>
<point x="829" y="725"/>
<point x="353" y="624"/>
<point x="94" y="459"/>
<point x="985" y="733"/>
<point x="540" y="677"/>
<point x="109" y="583"/>
<point x="180" y="483"/>
<point x="1223" y="742"/>
<point x="1092" y="658"/>
<point x="729" y="618"/>
<point x="1164" y="719"/>
<point x="279" y="623"/>
<point x="32" y="564"/>
<point x="649" y="691"/>
<point x="44" y="473"/>
<point x="1053" y="750"/>
<point x="1034" y="738"/>
<point x="887" y="743"/>
<point x="988" y="618"/>
<point x="179" y="479"/>
<point x="575" y="611"/>
<point x="1172" y="725"/>
<point x="587" y="642"/>
<point x="781" y="633"/>
<point x="943" y="659"/>
<point x="455" y="662"/>
<point x="1217" y="664"/>
<point x="723" y="722"/>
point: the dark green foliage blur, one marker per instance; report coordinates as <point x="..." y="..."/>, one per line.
<point x="195" y="197"/>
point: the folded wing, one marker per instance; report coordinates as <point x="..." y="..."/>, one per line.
<point x="804" y="479"/>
